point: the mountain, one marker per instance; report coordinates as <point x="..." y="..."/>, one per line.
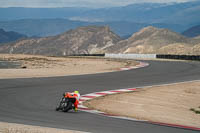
<point x="16" y="13"/>
<point x="52" y="27"/>
<point x="100" y="39"/>
<point x="10" y="36"/>
<point x="171" y="13"/>
<point x="192" y="32"/>
<point x="153" y="40"/>
<point x="83" y="40"/>
<point x="186" y="13"/>
<point x="174" y="16"/>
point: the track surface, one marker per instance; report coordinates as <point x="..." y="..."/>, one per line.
<point x="32" y="101"/>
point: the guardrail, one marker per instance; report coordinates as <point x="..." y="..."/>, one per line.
<point x="86" y="55"/>
<point x="179" y="57"/>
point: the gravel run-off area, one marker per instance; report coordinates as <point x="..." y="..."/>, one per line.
<point x="174" y="104"/>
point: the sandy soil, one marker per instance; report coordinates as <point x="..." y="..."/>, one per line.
<point x="167" y="104"/>
<point x="41" y="66"/>
<point x="18" y="128"/>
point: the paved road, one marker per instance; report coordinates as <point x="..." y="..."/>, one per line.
<point x="32" y="101"/>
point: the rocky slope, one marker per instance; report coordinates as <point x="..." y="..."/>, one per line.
<point x="83" y="40"/>
<point x="153" y="40"/>
<point x="10" y="36"/>
<point x="93" y="39"/>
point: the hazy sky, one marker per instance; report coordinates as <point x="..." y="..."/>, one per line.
<point x="77" y="3"/>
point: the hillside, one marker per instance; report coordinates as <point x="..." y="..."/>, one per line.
<point x="91" y="39"/>
<point x="154" y="40"/>
<point x="192" y="32"/>
<point x="10" y="36"/>
<point x="100" y="39"/>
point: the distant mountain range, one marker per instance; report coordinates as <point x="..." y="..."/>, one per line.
<point x="100" y="39"/>
<point x="10" y="36"/>
<point x="172" y="13"/>
<point x="124" y="20"/>
<point x="138" y="27"/>
<point x="16" y="13"/>
<point x="193" y="31"/>
<point x="51" y="27"/>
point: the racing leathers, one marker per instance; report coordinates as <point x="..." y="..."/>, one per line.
<point x="74" y="97"/>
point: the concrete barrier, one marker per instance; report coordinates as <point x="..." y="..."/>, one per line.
<point x="131" y="56"/>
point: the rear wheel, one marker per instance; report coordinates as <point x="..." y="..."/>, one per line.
<point x="67" y="107"/>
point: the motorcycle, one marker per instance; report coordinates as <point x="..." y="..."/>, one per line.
<point x="65" y="105"/>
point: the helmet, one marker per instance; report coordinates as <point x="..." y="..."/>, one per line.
<point x="76" y="92"/>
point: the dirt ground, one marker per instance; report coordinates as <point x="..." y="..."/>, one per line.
<point x="18" y="128"/>
<point x="41" y="66"/>
<point x="167" y="104"/>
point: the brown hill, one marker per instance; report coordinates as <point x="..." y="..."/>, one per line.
<point x="153" y="40"/>
<point x="93" y="39"/>
<point x="83" y="40"/>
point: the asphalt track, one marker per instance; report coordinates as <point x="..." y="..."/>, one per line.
<point x="32" y="101"/>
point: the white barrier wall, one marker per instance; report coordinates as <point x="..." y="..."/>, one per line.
<point x="131" y="56"/>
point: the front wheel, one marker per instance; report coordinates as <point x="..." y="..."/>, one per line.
<point x="57" y="108"/>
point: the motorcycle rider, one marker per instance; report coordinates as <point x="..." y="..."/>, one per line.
<point x="74" y="97"/>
